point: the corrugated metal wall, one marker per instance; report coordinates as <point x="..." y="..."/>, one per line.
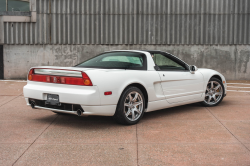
<point x="135" y="22"/>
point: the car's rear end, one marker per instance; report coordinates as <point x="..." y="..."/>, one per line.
<point x="64" y="90"/>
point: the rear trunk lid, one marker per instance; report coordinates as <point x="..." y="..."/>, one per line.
<point x="60" y="71"/>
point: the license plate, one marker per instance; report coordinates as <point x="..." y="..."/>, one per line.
<point x="53" y="99"/>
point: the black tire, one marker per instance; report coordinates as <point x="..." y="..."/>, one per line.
<point x="121" y="109"/>
<point x="215" y="103"/>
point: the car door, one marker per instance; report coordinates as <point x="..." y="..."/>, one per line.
<point x="178" y="84"/>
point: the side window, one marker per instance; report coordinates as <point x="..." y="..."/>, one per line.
<point x="164" y="63"/>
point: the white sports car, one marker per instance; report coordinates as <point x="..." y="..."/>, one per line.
<point x="123" y="84"/>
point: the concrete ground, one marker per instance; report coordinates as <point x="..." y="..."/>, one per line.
<point x="185" y="135"/>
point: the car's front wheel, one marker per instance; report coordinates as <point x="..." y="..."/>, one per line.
<point x="214" y="93"/>
<point x="131" y="106"/>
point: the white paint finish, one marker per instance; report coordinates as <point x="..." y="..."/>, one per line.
<point x="158" y="90"/>
<point x="185" y="98"/>
<point x="103" y="110"/>
<point x="85" y="95"/>
<point x="177" y="87"/>
<point x="157" y="105"/>
<point x="117" y="80"/>
<point x="208" y="73"/>
<point x="162" y="104"/>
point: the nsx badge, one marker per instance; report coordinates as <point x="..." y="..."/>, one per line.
<point x="55" y="79"/>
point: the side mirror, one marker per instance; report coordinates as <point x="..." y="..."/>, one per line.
<point x="193" y="69"/>
<point x="157" y="68"/>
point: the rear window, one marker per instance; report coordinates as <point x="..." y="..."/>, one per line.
<point x="117" y="60"/>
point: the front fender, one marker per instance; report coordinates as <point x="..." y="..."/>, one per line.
<point x="208" y="74"/>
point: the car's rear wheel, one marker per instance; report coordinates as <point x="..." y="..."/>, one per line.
<point x="130" y="107"/>
<point x="214" y="92"/>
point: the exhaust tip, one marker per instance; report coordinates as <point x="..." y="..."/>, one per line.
<point x="32" y="104"/>
<point x="79" y="112"/>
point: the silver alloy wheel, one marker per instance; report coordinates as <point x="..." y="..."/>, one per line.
<point x="133" y="106"/>
<point x="213" y="93"/>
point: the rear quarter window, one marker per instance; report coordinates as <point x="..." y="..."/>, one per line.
<point x="134" y="60"/>
<point x="117" y="60"/>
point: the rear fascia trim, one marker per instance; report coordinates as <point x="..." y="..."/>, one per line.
<point x="57" y="110"/>
<point x="58" y="72"/>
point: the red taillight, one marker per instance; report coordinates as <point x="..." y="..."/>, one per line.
<point x="30" y="76"/>
<point x="84" y="80"/>
<point x="63" y="80"/>
<point x="72" y="80"/>
<point x="39" y="78"/>
<point x="48" y="78"/>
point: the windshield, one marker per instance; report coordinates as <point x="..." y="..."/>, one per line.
<point x="117" y="60"/>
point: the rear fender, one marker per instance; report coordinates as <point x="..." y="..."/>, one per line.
<point x="117" y="80"/>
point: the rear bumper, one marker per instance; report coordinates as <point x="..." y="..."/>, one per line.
<point x="87" y="97"/>
<point x="83" y="95"/>
<point x="102" y="110"/>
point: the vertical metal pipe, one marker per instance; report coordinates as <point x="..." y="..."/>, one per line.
<point x="50" y="21"/>
<point x="1" y="62"/>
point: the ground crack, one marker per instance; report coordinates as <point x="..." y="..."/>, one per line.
<point x="227" y="129"/>
<point x="36" y="139"/>
<point x="10" y="100"/>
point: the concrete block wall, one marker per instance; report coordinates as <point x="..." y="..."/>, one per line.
<point x="233" y="61"/>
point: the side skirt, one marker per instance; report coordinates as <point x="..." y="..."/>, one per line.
<point x="162" y="104"/>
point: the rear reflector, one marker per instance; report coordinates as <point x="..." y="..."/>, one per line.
<point x="84" y="80"/>
<point x="108" y="93"/>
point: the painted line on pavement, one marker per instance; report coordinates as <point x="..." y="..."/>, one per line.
<point x="238" y="83"/>
<point x="237" y="91"/>
<point x="14" y="80"/>
<point x="236" y="87"/>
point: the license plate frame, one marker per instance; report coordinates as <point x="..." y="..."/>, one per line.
<point x="53" y="99"/>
